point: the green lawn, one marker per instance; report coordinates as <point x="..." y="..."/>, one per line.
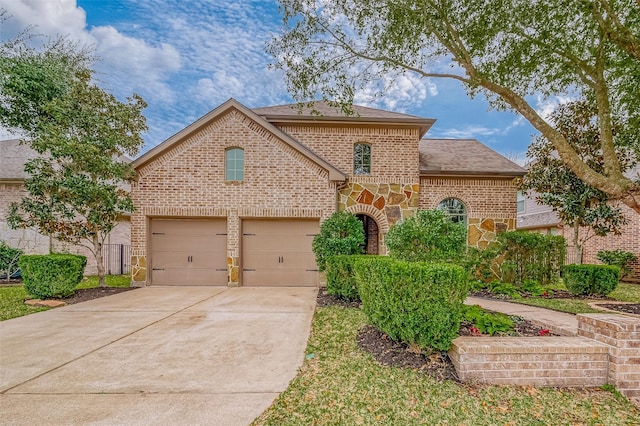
<point x="12" y="297"/>
<point x="340" y="384"/>
<point x="624" y="293"/>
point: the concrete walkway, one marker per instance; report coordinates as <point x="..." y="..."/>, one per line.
<point x="157" y="355"/>
<point x="558" y="322"/>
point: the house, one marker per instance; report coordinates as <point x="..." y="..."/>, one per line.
<point x="541" y="218"/>
<point x="13" y="156"/>
<point x="236" y="197"/>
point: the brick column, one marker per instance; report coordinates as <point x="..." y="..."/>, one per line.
<point x="622" y="334"/>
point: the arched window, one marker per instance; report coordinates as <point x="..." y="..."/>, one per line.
<point x="455" y="209"/>
<point x="234" y="164"/>
<point x="361" y="159"/>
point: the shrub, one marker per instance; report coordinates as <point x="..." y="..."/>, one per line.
<point x="488" y="322"/>
<point x="341" y="280"/>
<point x="591" y="279"/>
<point x="417" y="303"/>
<point x="8" y="260"/>
<point x="53" y="275"/>
<point x="340" y="234"/>
<point x="529" y="255"/>
<point x="532" y="287"/>
<point x="480" y="263"/>
<point x="498" y="287"/>
<point x="619" y="258"/>
<point x="429" y="236"/>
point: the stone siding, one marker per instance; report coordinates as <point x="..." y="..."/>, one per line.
<point x="188" y="181"/>
<point x="490" y="203"/>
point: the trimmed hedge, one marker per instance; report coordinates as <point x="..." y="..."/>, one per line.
<point x="52" y="275"/>
<point x="531" y="256"/>
<point x="619" y="258"/>
<point x="591" y="279"/>
<point x="341" y="280"/>
<point x="417" y="303"/>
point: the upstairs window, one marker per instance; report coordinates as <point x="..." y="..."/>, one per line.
<point x="361" y="159"/>
<point x="520" y="201"/>
<point x="455" y="209"/>
<point x="234" y="164"/>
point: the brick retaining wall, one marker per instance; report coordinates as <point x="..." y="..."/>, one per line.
<point x="537" y="361"/>
<point x="606" y="350"/>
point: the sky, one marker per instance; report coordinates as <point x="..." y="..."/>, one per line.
<point x="187" y="57"/>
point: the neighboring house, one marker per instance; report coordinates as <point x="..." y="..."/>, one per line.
<point x="13" y="156"/>
<point x="236" y="197"/>
<point x="541" y="218"/>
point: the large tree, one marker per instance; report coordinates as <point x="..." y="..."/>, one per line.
<point x="75" y="188"/>
<point x="511" y="51"/>
<point x="588" y="210"/>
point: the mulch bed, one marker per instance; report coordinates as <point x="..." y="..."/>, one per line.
<point x="557" y="294"/>
<point x="86" y="294"/>
<point x="399" y="354"/>
<point x="630" y="308"/>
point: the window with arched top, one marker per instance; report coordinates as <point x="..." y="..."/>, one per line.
<point x="361" y="159"/>
<point x="234" y="164"/>
<point x="455" y="209"/>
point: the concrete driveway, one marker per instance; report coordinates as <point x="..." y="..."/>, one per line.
<point x="157" y="355"/>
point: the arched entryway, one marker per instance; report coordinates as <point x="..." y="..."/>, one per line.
<point x="371" y="234"/>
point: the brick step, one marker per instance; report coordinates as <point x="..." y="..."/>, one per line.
<point x="532" y="361"/>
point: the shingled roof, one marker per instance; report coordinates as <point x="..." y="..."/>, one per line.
<point x="464" y="157"/>
<point x="321" y="111"/>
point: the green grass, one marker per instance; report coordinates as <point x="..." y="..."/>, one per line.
<point x="340" y="384"/>
<point x="624" y="293"/>
<point x="12" y="297"/>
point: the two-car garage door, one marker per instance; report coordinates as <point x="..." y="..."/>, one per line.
<point x="194" y="252"/>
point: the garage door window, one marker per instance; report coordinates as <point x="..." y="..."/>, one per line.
<point x="234" y="164"/>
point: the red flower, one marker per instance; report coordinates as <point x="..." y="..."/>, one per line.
<point x="474" y="330"/>
<point x="545" y="294"/>
<point x="544" y="332"/>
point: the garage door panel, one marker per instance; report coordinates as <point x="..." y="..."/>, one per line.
<point x="278" y="252"/>
<point x="284" y="278"/>
<point x="189" y="226"/>
<point x="180" y="243"/>
<point x="188" y="252"/>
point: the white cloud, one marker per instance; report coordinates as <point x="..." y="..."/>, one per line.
<point x="127" y="64"/>
<point x="545" y="106"/>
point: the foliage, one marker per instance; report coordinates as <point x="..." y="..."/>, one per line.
<point x="532" y="256"/>
<point x="341" y="280"/>
<point x="619" y="258"/>
<point x="499" y="287"/>
<point x="480" y="263"/>
<point x="532" y="286"/>
<point x="577" y="203"/>
<point x="340" y="234"/>
<point x="344" y="385"/>
<point x="81" y="134"/>
<point x="429" y="236"/>
<point x="557" y="48"/>
<point x="487" y="322"/>
<point x="53" y="275"/>
<point x="417" y="303"/>
<point x="591" y="279"/>
<point x="9" y="260"/>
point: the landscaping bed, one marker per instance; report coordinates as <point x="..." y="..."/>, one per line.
<point x="399" y="354"/>
<point x="629" y="308"/>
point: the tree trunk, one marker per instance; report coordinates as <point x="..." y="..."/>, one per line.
<point x="577" y="247"/>
<point x="99" y="262"/>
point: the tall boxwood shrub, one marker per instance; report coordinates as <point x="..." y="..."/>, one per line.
<point x="532" y="256"/>
<point x="591" y="279"/>
<point x="415" y="302"/>
<point x="341" y="280"/>
<point x="429" y="236"/>
<point x="340" y="234"/>
<point x="53" y="275"/>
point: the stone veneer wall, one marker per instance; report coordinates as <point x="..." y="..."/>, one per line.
<point x="490" y="203"/>
<point x="188" y="181"/>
